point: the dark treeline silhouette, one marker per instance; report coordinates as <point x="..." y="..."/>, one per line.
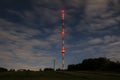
<point x="13" y="70"/>
<point x="3" y="69"/>
<point x="48" y="69"/>
<point x="93" y="64"/>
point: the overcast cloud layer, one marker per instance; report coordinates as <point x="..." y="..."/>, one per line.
<point x="30" y="32"/>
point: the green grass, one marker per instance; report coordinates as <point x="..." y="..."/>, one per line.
<point x="61" y="75"/>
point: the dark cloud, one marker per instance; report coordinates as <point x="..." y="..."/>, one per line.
<point x="15" y="5"/>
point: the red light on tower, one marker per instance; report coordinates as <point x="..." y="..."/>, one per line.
<point x="63" y="32"/>
<point x="63" y="51"/>
<point x="62" y="11"/>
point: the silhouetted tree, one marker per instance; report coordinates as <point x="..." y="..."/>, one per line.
<point x="48" y="69"/>
<point x="12" y="70"/>
<point x="58" y="69"/>
<point x="96" y="64"/>
<point x="3" y="69"/>
<point x="40" y="69"/>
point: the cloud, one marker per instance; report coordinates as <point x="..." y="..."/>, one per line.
<point x="95" y="41"/>
<point x="95" y="7"/>
<point x="73" y="3"/>
<point x="109" y="48"/>
<point x="115" y="43"/>
<point x="19" y="65"/>
<point x="20" y="44"/>
<point x="111" y="38"/>
<point x="98" y="18"/>
<point x="105" y="46"/>
<point x="55" y="36"/>
<point x="112" y="51"/>
<point x="59" y="3"/>
<point x="52" y="3"/>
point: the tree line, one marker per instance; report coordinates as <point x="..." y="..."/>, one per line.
<point x="92" y="64"/>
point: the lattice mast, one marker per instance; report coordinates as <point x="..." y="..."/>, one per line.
<point x="63" y="33"/>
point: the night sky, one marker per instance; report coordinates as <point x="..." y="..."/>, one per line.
<point x="30" y="32"/>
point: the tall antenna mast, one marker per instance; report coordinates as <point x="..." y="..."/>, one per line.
<point x="63" y="32"/>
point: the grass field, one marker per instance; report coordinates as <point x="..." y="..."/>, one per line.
<point x="61" y="75"/>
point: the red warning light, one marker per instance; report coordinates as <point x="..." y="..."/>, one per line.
<point x="62" y="11"/>
<point x="63" y="51"/>
<point x="63" y="32"/>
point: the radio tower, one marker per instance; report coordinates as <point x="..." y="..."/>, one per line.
<point x="63" y="32"/>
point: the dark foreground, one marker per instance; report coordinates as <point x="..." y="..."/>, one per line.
<point x="61" y="75"/>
